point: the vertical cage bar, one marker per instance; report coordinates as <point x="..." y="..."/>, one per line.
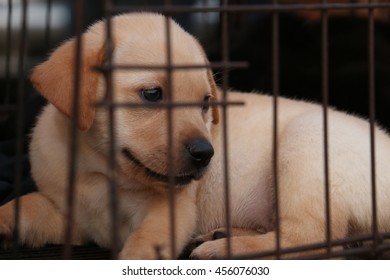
<point x="170" y="97"/>
<point x="8" y="53"/>
<point x="371" y="104"/>
<point x="112" y="183"/>
<point x="20" y="122"/>
<point x="275" y="94"/>
<point x="73" y="149"/>
<point x="325" y="106"/>
<point x="225" y="81"/>
<point x="47" y="23"/>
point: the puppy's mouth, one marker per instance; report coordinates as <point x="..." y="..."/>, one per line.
<point x="179" y="180"/>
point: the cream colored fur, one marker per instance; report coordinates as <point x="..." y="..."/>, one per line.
<point x="143" y="202"/>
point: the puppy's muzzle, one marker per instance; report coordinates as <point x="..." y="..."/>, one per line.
<point x="200" y="152"/>
<point x="197" y="153"/>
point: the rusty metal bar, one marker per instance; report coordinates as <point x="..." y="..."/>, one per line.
<point x="170" y="97"/>
<point x="20" y="122"/>
<point x="73" y="148"/>
<point x="47" y="24"/>
<point x="319" y="246"/>
<point x="371" y="113"/>
<point x="275" y="95"/>
<point x="325" y="106"/>
<point x="223" y="65"/>
<point x="250" y="8"/>
<point x="166" y="104"/>
<point x="8" y="54"/>
<point x="112" y="167"/>
<point x="336" y="254"/>
<point x="225" y="85"/>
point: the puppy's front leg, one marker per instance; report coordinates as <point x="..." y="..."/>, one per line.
<point x="40" y="221"/>
<point x="152" y="240"/>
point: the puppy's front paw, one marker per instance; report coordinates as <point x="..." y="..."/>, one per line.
<point x="215" y="245"/>
<point x="6" y="235"/>
<point x="216" y="249"/>
<point x="199" y="240"/>
<point x="212" y="245"/>
<point x="6" y="230"/>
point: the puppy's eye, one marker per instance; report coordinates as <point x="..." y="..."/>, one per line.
<point x="206" y="104"/>
<point x="152" y="95"/>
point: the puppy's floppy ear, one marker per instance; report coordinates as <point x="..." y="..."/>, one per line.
<point x="54" y="78"/>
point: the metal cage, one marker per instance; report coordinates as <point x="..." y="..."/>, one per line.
<point x="230" y="20"/>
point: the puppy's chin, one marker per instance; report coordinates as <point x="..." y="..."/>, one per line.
<point x="183" y="180"/>
<point x="154" y="178"/>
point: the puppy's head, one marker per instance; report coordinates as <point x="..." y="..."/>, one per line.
<point x="153" y="142"/>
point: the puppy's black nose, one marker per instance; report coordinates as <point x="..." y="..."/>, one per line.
<point x="201" y="152"/>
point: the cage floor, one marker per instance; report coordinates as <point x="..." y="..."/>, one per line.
<point x="55" y="252"/>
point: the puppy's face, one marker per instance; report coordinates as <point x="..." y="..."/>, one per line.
<point x="155" y="145"/>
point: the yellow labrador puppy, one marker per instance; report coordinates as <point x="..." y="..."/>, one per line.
<point x="142" y="153"/>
